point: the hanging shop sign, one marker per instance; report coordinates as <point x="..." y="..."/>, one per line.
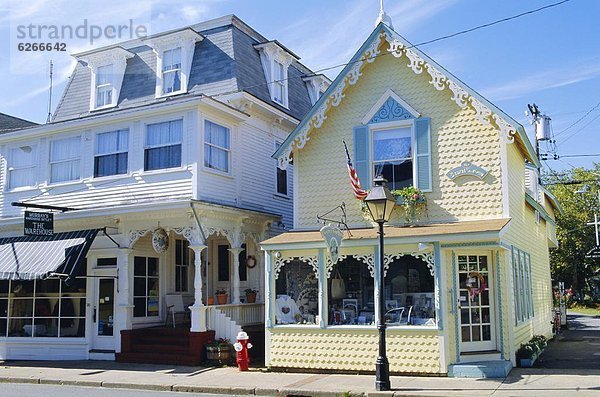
<point x="467" y="168"/>
<point x="160" y="241"/>
<point x="38" y="223"/>
<point x="333" y="238"/>
<point x="594" y="253"/>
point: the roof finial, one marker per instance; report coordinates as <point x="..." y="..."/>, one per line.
<point x="383" y="17"/>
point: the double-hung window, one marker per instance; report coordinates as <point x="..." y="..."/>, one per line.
<point x="279" y="83"/>
<point x="392" y="156"/>
<point x="104" y="86"/>
<point x="21" y="171"/>
<point x="65" y="157"/>
<point x="111" y="153"/>
<point x="171" y="70"/>
<point x="217" y="146"/>
<point x="163" y="145"/>
<point x="282" y="185"/>
<point x="182" y="262"/>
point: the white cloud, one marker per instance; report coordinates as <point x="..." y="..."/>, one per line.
<point x="543" y="80"/>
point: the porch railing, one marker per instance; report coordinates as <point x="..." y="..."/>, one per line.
<point x="244" y="313"/>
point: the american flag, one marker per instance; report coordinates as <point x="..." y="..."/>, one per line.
<point x="359" y="192"/>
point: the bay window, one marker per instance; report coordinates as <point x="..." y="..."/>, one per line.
<point x="111" y="153"/>
<point x="163" y="145"/>
<point x="217" y="146"/>
<point x="104" y="86"/>
<point x="392" y="156"/>
<point x="65" y="157"/>
<point x="171" y="70"/>
<point x="21" y="171"/>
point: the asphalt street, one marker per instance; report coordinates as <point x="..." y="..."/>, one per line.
<point x="577" y="347"/>
<point x="32" y="390"/>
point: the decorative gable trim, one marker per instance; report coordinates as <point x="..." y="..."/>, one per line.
<point x="186" y="40"/>
<point x="390" y="107"/>
<point x="462" y="95"/>
<point x="117" y="57"/>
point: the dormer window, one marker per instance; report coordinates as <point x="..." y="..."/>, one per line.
<point x="316" y="86"/>
<point x="107" y="70"/>
<point x="104" y="86"/>
<point x="279" y="83"/>
<point x="276" y="61"/>
<point x="171" y="70"/>
<point x="174" y="53"/>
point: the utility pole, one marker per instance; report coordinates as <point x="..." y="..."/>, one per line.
<point x="50" y="94"/>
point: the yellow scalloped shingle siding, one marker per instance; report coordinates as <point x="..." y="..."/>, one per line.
<point x="354" y="350"/>
<point x="457" y="136"/>
<point x="525" y="234"/>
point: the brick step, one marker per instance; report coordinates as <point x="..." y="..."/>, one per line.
<point x="163" y="341"/>
<point x="152" y="347"/>
<point x="157" y="358"/>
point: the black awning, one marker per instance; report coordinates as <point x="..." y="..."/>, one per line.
<point x="31" y="257"/>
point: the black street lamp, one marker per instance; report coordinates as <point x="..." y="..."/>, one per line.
<point x="380" y="203"/>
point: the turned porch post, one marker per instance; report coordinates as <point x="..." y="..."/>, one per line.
<point x="235" y="279"/>
<point x="198" y="317"/>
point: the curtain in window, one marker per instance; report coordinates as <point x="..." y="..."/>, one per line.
<point x="111" y="142"/>
<point x="104" y="75"/>
<point x="392" y="144"/>
<point x="64" y="159"/>
<point x="172" y="70"/>
<point x="163" y="145"/>
<point x="22" y="168"/>
<point x="216" y="147"/>
<point x="104" y="85"/>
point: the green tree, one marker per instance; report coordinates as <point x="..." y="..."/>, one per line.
<point x="577" y="193"/>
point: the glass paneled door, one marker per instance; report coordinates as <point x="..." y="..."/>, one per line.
<point x="476" y="303"/>
<point x="103" y="314"/>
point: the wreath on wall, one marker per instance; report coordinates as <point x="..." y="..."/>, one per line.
<point x="474" y="287"/>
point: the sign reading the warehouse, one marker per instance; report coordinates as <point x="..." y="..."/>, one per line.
<point x="38" y="223"/>
<point x="467" y="169"/>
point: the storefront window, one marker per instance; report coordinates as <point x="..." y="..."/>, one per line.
<point x="297" y="291"/>
<point x="145" y="287"/>
<point x="409" y="292"/>
<point x="351" y="294"/>
<point x="42" y="308"/>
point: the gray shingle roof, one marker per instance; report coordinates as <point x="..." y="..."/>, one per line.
<point x="9" y="123"/>
<point x="224" y="62"/>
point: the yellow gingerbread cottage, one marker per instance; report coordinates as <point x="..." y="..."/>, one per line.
<point x="467" y="276"/>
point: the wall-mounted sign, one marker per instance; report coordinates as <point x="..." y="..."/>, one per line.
<point x="38" y="224"/>
<point x="333" y="238"/>
<point x="467" y="168"/>
<point x="594" y="253"/>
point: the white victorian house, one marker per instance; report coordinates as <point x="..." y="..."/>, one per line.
<point x="157" y="167"/>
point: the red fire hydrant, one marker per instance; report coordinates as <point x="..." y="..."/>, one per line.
<point x="241" y="347"/>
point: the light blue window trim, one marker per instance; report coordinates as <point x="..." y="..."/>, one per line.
<point x="515" y="269"/>
<point x="531" y="285"/>
<point x="523" y="286"/>
<point x="391" y="110"/>
<point x="500" y="316"/>
<point x="455" y="306"/>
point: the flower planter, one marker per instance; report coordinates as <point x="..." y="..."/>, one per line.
<point x="251" y="297"/>
<point x="528" y="362"/>
<point x="221" y="354"/>
<point x="222" y="299"/>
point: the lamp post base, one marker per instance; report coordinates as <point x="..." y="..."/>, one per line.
<point x="382" y="374"/>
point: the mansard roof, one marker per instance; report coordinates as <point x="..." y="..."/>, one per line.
<point x="463" y="95"/>
<point x="224" y="62"/>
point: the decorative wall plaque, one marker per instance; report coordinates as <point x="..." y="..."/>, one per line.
<point x="467" y="168"/>
<point x="160" y="241"/>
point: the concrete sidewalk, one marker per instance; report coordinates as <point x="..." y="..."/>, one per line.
<point x="228" y="381"/>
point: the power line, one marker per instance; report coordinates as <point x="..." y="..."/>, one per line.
<point x="325" y="69"/>
<point x="581" y="155"/>
<point x="579" y="119"/>
<point x="581" y="129"/>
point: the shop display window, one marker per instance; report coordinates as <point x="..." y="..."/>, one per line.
<point x="297" y="291"/>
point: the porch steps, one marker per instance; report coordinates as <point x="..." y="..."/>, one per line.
<point x="162" y="345"/>
<point x="480" y="369"/>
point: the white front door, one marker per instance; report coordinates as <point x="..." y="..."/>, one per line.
<point x="476" y="303"/>
<point x="103" y="314"/>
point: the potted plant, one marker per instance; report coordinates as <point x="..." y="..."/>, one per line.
<point x="251" y="295"/>
<point x="527" y="354"/>
<point x="221" y="296"/>
<point x="219" y="351"/>
<point x="412" y="203"/>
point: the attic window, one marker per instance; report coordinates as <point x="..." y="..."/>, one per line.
<point x="276" y="61"/>
<point x="174" y="53"/>
<point x="107" y="70"/>
<point x="316" y="86"/>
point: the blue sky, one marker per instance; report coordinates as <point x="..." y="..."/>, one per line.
<point x="551" y="58"/>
